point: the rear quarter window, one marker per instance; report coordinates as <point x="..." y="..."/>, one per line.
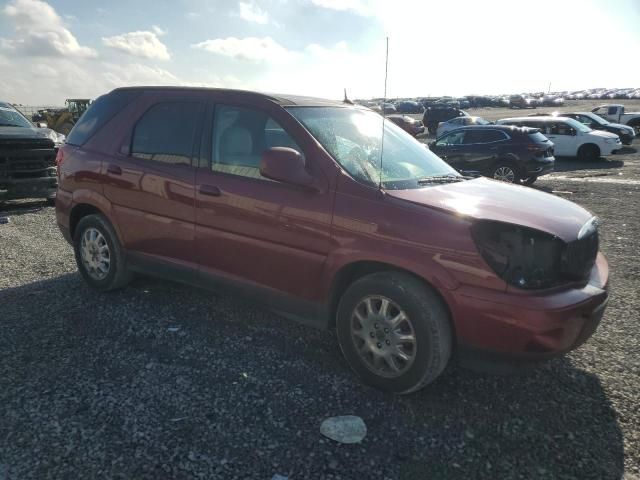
<point x="102" y="110"/>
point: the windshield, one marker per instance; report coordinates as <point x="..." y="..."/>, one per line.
<point x="577" y="125"/>
<point x="353" y="137"/>
<point x="596" y="118"/>
<point x="10" y="118"/>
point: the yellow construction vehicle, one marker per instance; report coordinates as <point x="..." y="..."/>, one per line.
<point x="62" y="120"/>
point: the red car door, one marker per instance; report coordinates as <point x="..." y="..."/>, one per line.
<point x="150" y="181"/>
<point x="250" y="228"/>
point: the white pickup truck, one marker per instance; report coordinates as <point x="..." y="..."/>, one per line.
<point x="616" y="114"/>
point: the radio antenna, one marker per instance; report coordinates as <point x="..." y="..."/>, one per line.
<point x="384" y="113"/>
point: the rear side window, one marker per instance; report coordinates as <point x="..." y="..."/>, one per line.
<point x="612" y="110"/>
<point x="537" y="137"/>
<point x="166" y="133"/>
<point x="474" y="136"/>
<point x="493" y="136"/>
<point x="100" y="112"/>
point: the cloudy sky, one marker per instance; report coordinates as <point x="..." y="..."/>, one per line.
<point x="53" y="50"/>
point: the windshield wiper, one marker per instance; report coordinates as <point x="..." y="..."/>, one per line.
<point x="442" y="179"/>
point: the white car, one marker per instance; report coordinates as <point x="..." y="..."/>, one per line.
<point x="459" y="122"/>
<point x="570" y="138"/>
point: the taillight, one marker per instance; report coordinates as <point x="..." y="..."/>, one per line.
<point x="59" y="160"/>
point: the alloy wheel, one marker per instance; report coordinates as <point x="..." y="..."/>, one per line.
<point x="504" y="174"/>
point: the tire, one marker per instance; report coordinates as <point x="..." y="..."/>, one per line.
<point x="588" y="153"/>
<point x="529" y="180"/>
<point x="505" y="172"/>
<point x="427" y="322"/>
<point x="116" y="275"/>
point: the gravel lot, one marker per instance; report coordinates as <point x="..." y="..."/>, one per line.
<point x="163" y="381"/>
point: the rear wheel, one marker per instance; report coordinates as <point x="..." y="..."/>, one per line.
<point x="99" y="255"/>
<point x="588" y="153"/>
<point x="394" y="331"/>
<point x="505" y="172"/>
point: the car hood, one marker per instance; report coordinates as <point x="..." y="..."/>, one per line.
<point x="485" y="199"/>
<point x="602" y="133"/>
<point x="619" y="125"/>
<point x="20" y="132"/>
<point x="25" y="133"/>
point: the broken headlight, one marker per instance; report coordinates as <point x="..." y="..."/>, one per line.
<point x="521" y="256"/>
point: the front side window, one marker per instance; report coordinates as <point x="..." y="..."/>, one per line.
<point x="455" y="138"/>
<point x="241" y="135"/>
<point x="354" y="138"/>
<point x="166" y="133"/>
<point x="612" y="110"/>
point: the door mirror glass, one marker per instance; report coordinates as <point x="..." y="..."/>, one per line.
<point x="286" y="165"/>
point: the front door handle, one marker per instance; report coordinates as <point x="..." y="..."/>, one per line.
<point x="210" y="190"/>
<point x="114" y="169"/>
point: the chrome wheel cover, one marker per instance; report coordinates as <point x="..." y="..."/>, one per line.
<point x="95" y="254"/>
<point x="383" y="336"/>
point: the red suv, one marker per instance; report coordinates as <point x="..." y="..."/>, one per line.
<point x="306" y="206"/>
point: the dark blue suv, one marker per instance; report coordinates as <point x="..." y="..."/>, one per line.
<point x="510" y="154"/>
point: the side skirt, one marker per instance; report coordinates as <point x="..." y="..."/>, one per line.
<point x="283" y="304"/>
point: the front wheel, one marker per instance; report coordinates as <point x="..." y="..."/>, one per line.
<point x="588" y="153"/>
<point x="394" y="331"/>
<point x="505" y="172"/>
<point x="98" y="254"/>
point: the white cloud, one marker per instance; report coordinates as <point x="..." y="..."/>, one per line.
<point x="251" y="12"/>
<point x="40" y="31"/>
<point x="360" y="7"/>
<point x="248" y="48"/>
<point x="144" y="44"/>
<point x="158" y="31"/>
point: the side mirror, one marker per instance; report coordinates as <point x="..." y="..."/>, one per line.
<point x="42" y="125"/>
<point x="285" y="165"/>
<point x="432" y="144"/>
<point x="572" y="132"/>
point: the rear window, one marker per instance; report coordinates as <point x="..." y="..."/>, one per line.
<point x="99" y="112"/>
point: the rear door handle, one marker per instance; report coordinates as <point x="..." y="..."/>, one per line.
<point x="114" y="169"/>
<point x="210" y="190"/>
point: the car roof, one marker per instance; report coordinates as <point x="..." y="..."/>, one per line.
<point x="502" y="128"/>
<point x="284" y="100"/>
<point x="549" y="118"/>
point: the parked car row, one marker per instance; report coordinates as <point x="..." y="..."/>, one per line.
<point x="417" y="105"/>
<point x="473" y="145"/>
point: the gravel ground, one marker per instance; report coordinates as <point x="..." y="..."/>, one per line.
<point x="164" y="381"/>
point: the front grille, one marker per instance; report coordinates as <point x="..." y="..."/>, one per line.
<point x="27" y="163"/>
<point x="579" y="257"/>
